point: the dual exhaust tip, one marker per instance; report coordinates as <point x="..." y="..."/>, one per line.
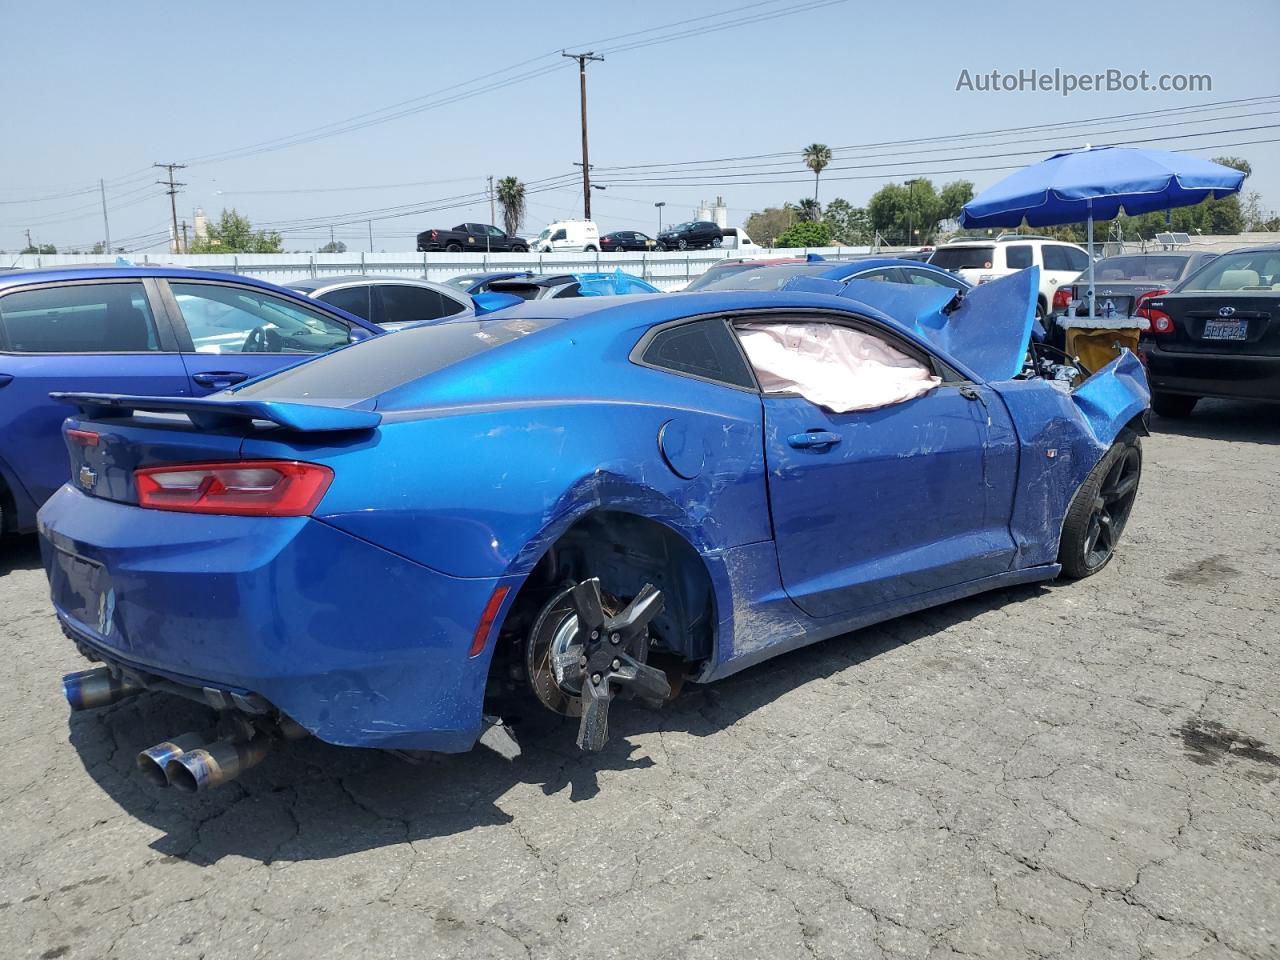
<point x="187" y="762"/>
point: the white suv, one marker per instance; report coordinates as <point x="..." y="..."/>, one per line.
<point x="980" y="260"/>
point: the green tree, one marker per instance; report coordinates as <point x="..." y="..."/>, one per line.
<point x="40" y="248"/>
<point x="816" y="157"/>
<point x="333" y="246"/>
<point x="767" y="225"/>
<point x="233" y="233"/>
<point x="909" y="213"/>
<point x="511" y="193"/>
<point x="808" y="210"/>
<point x="849" y="224"/>
<point x="806" y="234"/>
<point x="953" y="198"/>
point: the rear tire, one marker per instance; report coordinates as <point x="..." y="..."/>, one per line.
<point x="519" y="249"/>
<point x="1100" y="509"/>
<point x="590" y="249"/>
<point x="1173" y="405"/>
<point x="454" y="248"/>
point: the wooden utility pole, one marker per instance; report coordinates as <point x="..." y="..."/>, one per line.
<point x="173" y="197"/>
<point x="583" y="59"/>
<point x="106" y="225"/>
<point x="492" y="209"/>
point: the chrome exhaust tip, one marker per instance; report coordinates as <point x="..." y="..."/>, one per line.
<point x="98" y="687"/>
<point x="214" y="764"/>
<point x="153" y="760"/>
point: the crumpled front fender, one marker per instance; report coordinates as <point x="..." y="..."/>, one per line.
<point x="1113" y="396"/>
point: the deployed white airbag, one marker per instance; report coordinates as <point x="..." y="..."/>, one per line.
<point x="836" y="367"/>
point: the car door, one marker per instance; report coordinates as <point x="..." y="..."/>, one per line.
<point x="103" y="336"/>
<point x="873" y="506"/>
<point x="1062" y="264"/>
<point x="229" y="333"/>
<point x="497" y="240"/>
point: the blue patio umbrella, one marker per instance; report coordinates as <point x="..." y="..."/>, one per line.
<point x="1096" y="184"/>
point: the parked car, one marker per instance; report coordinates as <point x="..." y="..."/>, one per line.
<point x="566" y="235"/>
<point x="978" y="261"/>
<point x="623" y="240"/>
<point x="691" y="236"/>
<point x="1127" y="279"/>
<point x="1216" y="334"/>
<point x="390" y="302"/>
<point x="140" y="331"/>
<point x="473" y="283"/>
<point x="385" y="546"/>
<point x="775" y="273"/>
<point x="472" y="236"/>
<point x="563" y="285"/>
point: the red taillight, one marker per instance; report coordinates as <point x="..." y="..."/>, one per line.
<point x="1161" y="322"/>
<point x="486" y="621"/>
<point x="1062" y="298"/>
<point x="86" y="438"/>
<point x="250" y="488"/>
<point x="435" y="235"/>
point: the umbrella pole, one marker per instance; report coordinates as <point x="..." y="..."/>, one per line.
<point x="1090" y="281"/>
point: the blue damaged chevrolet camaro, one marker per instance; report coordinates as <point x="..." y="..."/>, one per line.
<point x="569" y="501"/>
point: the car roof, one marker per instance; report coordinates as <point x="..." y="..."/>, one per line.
<point x="66" y="274"/>
<point x="310" y="285"/>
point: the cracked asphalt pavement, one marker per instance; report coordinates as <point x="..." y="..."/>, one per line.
<point x="1083" y="770"/>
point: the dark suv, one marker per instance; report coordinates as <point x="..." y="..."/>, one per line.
<point x="691" y="235"/>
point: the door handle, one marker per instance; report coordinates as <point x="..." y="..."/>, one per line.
<point x="814" y="438"/>
<point x="6" y="379"/>
<point x="219" y="380"/>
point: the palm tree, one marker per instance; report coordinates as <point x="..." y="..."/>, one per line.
<point x="510" y="193"/>
<point x="816" y="157"/>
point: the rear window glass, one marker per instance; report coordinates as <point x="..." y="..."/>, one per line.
<point x="1248" y="271"/>
<point x="374" y="366"/>
<point x="704" y="349"/>
<point x="963" y="258"/>
<point x="756" y="278"/>
<point x="1139" y="268"/>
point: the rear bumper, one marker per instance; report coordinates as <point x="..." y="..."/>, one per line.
<point x="358" y="645"/>
<point x="1231" y="376"/>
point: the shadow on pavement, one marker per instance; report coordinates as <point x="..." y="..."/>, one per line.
<point x="1240" y="421"/>
<point x="298" y="805"/>
<point x="18" y="553"/>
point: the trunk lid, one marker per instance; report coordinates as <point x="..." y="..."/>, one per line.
<point x="1247" y="324"/>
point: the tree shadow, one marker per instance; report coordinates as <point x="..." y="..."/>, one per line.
<point x="1241" y="421"/>
<point x="18" y="553"/>
<point x="309" y="800"/>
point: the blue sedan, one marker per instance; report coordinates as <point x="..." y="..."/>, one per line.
<point x="566" y="502"/>
<point x="134" y="330"/>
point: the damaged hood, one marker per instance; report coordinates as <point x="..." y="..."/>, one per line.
<point x="988" y="331"/>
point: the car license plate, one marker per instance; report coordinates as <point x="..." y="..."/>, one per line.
<point x="77" y="586"/>
<point x="1225" y="330"/>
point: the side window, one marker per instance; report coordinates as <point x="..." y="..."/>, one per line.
<point x="1059" y="257"/>
<point x="228" y="319"/>
<point x="928" y="278"/>
<point x="572" y="290"/>
<point x="559" y="235"/>
<point x="704" y="348"/>
<point x="883" y="274"/>
<point x="402" y="303"/>
<point x="1018" y="256"/>
<point x="835" y="366"/>
<point x="79" y="318"/>
<point x="495" y="232"/>
<point x="351" y="299"/>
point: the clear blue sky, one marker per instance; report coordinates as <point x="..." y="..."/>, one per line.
<point x="104" y="90"/>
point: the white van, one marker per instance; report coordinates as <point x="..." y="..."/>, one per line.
<point x="735" y="238"/>
<point x="568" y="235"/>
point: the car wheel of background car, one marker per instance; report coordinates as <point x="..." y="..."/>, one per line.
<point x="1173" y="405"/>
<point x="454" y="247"/>
<point x="681" y="244"/>
<point x="1100" y="509"/>
<point x="1040" y="311"/>
<point x="717" y="242"/>
<point x="520" y="248"/>
<point x="585" y="648"/>
<point x="591" y="248"/>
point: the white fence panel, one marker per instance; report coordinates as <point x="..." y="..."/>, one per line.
<point x="667" y="270"/>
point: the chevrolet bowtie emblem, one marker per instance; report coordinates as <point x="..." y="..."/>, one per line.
<point x="88" y="477"/>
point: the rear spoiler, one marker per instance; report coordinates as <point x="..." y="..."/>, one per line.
<point x="207" y="413"/>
